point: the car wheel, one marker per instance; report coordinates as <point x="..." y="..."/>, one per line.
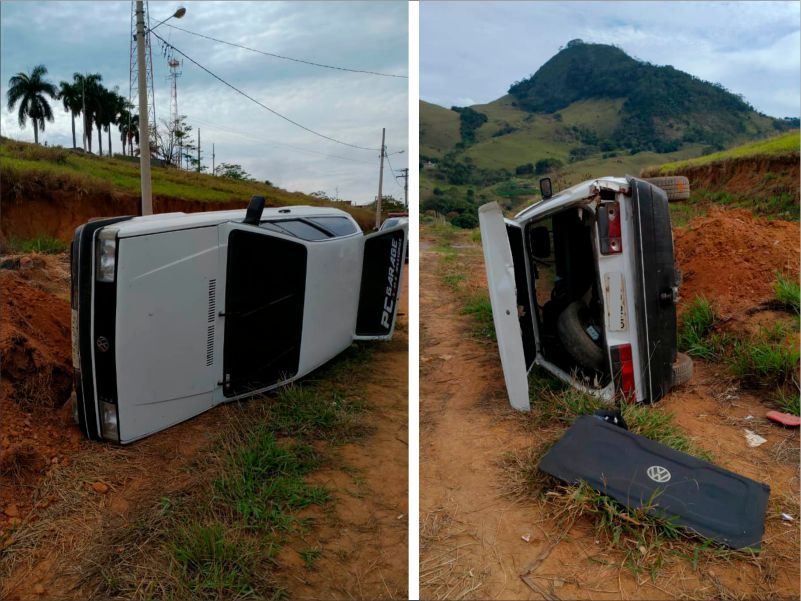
<point x="574" y="335"/>
<point x="682" y="369"/>
<point x="677" y="187"/>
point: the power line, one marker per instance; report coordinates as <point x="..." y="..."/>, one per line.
<point x="392" y="171"/>
<point x="288" y="58"/>
<point x="264" y="106"/>
<point x="264" y="141"/>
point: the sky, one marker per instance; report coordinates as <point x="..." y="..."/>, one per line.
<point x="94" y="37"/>
<point x="470" y="52"/>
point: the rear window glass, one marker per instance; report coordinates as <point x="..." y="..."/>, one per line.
<point x="390" y="223"/>
<point x="339" y="226"/>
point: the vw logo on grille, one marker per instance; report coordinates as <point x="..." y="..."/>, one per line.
<point x="657" y="473"/>
<point x="103" y="344"/>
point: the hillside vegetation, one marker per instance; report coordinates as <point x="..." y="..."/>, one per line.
<point x="590" y="111"/>
<point x="85" y="186"/>
<point x="781" y="145"/>
<point x="762" y="177"/>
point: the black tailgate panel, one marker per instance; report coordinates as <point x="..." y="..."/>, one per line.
<point x="703" y="497"/>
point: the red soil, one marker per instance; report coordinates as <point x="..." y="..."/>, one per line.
<point x="730" y="257"/>
<point x="35" y="379"/>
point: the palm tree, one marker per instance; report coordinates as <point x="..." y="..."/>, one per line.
<point x="30" y="91"/>
<point x="116" y="106"/>
<point x="70" y="97"/>
<point x="87" y="86"/>
<point x="133" y="133"/>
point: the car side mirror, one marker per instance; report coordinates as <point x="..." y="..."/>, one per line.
<point x="540" y="242"/>
<point x="546" y="189"/>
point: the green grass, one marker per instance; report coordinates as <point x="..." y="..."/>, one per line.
<point x="763" y="362"/>
<point x="310" y="556"/>
<point x="658" y="425"/>
<point x="212" y="566"/>
<point x="787" y="292"/>
<point x="786" y="143"/>
<point x="789" y="401"/>
<point x="27" y="168"/>
<point x="697" y="322"/>
<point x="263" y="481"/>
<point x="480" y="309"/>
<point x="40" y="244"/>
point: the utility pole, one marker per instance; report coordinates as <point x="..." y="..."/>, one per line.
<point x="380" y="180"/>
<point x="198" y="150"/>
<point x="405" y="176"/>
<point x="144" y="126"/>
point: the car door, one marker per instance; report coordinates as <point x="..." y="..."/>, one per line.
<point x="382" y="271"/>
<point x="265" y="289"/>
<point x="507" y="283"/>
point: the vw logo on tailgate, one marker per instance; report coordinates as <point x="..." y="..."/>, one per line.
<point x="657" y="473"/>
<point x="103" y="344"/>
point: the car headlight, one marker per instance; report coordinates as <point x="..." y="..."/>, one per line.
<point x="108" y="421"/>
<point x="106" y="255"/>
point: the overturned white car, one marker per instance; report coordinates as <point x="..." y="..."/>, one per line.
<point x="584" y="285"/>
<point x="175" y="313"/>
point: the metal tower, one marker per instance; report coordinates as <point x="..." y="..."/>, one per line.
<point x="133" y="79"/>
<point x="174" y="65"/>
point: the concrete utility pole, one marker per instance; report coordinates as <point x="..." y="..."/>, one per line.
<point x="405" y="176"/>
<point x="380" y="180"/>
<point x="144" y="126"/>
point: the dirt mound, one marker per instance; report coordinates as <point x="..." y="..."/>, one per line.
<point x="730" y="257"/>
<point x="34" y="339"/>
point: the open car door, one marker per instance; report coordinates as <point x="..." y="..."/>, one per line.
<point x="382" y="269"/>
<point x="507" y="311"/>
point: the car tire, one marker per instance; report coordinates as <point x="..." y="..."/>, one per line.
<point x="573" y="335"/>
<point x="682" y="370"/>
<point x="677" y="187"/>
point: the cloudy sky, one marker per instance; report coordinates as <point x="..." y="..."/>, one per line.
<point x="470" y="52"/>
<point x="94" y="37"/>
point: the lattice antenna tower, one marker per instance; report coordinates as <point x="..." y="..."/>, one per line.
<point x="175" y="73"/>
<point x="133" y="94"/>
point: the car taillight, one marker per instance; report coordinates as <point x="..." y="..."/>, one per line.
<point x="623" y="369"/>
<point x="609" y="228"/>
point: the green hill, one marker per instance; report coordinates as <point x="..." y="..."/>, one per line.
<point x="590" y="111"/>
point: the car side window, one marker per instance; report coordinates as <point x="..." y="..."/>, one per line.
<point x="339" y="226"/>
<point x="301" y="229"/>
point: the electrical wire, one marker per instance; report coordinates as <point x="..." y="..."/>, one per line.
<point x="288" y="58"/>
<point x="263" y="141"/>
<point x="264" y="106"/>
<point x="392" y="171"/>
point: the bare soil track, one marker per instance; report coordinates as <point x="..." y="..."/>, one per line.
<point x="478" y="543"/>
<point x="54" y="516"/>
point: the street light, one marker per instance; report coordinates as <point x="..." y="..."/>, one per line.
<point x="144" y="126"/>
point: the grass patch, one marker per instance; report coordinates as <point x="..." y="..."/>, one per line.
<point x="697" y="322"/>
<point x="211" y="566"/>
<point x="480" y="309"/>
<point x="784" y="144"/>
<point x="655" y="424"/>
<point x="789" y="402"/>
<point x="787" y="292"/>
<point x="263" y="480"/>
<point x="40" y="244"/>
<point x="764" y="362"/>
<point x="310" y="556"/>
<point x="453" y="280"/>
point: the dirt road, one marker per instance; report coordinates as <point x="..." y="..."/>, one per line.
<point x="477" y="543"/>
<point x="67" y="529"/>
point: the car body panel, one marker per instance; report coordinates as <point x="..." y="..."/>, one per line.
<point x="165" y="347"/>
<point x="502" y="290"/>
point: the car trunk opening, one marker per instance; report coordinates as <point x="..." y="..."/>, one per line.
<point x="567" y="298"/>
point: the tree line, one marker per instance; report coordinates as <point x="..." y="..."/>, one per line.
<point x="87" y="100"/>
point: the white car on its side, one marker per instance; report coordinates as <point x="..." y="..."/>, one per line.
<point x="176" y="313"/>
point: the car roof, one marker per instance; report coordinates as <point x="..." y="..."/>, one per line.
<point x="569" y="196"/>
<point x="160" y="222"/>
